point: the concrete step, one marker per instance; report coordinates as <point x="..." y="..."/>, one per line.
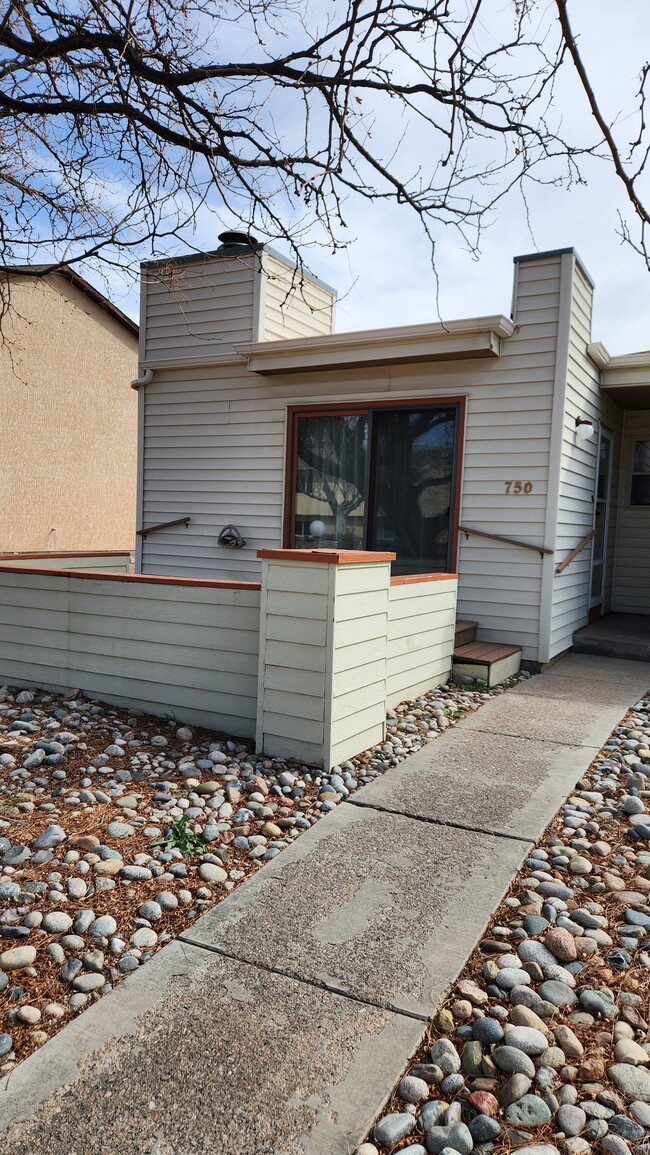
<point x="465" y="633"/>
<point x="489" y="662"/>
<point x="616" y="636"/>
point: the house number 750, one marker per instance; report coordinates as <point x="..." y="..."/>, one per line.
<point x="513" y="487"/>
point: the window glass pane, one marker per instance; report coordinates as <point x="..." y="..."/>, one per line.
<point x="641" y="457"/>
<point x="412" y="487"/>
<point x="603" y="468"/>
<point x="330" y="482"/>
<point x="640" y="490"/>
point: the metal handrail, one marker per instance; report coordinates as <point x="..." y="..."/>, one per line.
<point x="163" y="525"/>
<point x="540" y="549"/>
<point x="576" y="550"/>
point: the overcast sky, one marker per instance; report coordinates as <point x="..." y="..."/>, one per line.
<point x="385" y="276"/>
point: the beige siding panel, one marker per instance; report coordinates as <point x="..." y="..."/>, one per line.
<point x="293" y="304"/>
<point x="136" y="646"/>
<point x="421" y="627"/>
<point x="575" y="517"/>
<point x="198" y="306"/>
<point x="311" y="718"/>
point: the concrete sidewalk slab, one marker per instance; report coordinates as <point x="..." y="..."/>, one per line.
<point x="196" y="1054"/>
<point x="379" y="906"/>
<point x="578" y="701"/>
<point x="593" y="666"/>
<point x="495" y="782"/>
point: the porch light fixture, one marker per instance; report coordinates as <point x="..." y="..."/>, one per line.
<point x="585" y="429"/>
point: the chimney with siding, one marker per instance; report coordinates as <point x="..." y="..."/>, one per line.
<point x="206" y="304"/>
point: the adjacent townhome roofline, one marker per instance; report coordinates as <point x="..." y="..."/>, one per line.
<point x="39" y="272"/>
<point x="441" y="341"/>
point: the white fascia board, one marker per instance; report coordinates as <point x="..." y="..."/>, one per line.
<point x="453" y="340"/>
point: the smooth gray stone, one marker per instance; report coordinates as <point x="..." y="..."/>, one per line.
<point x="412" y="1089"/>
<point x="432" y="1113"/>
<point x="526" y="1039"/>
<point x="598" y="1003"/>
<point x="529" y="1111"/>
<point x="558" y="993"/>
<point x="83" y="921"/>
<point x="487" y="1030"/>
<point x="9" y="891"/>
<point x="626" y="1128"/>
<point x="513" y="1089"/>
<point x="471" y="1058"/>
<point x="571" y="1120"/>
<point x="444" y="1054"/>
<point x="88" y="982"/>
<point x="456" y="1135"/>
<point x="392" y="1128"/>
<point x="510" y="977"/>
<point x="136" y="873"/>
<point x="614" y="1145"/>
<point x="511" y="1060"/>
<point x="119" y="830"/>
<point x="16" y="855"/>
<point x="103" y="927"/>
<point x="633" y="1082"/>
<point x="483" y="1129"/>
<point x="50" y="837"/>
<point x="532" y="951"/>
<point x="554" y="890"/>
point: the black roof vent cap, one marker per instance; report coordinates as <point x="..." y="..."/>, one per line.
<point x="236" y="242"/>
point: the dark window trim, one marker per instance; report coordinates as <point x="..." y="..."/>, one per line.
<point x="636" y="473"/>
<point x="328" y="409"/>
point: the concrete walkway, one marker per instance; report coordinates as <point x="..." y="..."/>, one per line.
<point x="280" y="1023"/>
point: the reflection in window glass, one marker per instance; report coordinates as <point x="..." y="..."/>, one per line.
<point x="413" y="462"/>
<point x="331" y="481"/>
<point x="640" y="489"/>
<point x="379" y="480"/>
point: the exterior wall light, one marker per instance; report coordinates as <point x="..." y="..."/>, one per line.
<point x="585" y="429"/>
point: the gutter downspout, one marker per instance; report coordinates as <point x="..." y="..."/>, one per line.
<point x="145" y="379"/>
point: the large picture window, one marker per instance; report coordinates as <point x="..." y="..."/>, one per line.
<point x="377" y="478"/>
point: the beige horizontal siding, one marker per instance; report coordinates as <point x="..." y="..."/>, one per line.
<point x="421" y="623"/>
<point x="575" y="513"/>
<point x="359" y="691"/>
<point x="293" y="304"/>
<point x="191" y="652"/>
<point x="200" y="306"/>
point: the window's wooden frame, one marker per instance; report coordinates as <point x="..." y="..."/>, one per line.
<point x="636" y="473"/>
<point x="334" y="409"/>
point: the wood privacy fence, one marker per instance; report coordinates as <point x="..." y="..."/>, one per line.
<point x="307" y="661"/>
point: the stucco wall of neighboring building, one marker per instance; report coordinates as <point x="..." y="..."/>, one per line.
<point x="68" y="421"/>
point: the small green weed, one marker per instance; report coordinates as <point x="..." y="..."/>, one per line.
<point x="455" y="713"/>
<point x="180" y="837"/>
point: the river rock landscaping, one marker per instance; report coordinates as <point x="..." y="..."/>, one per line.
<point x="118" y="829"/>
<point x="543" y="1043"/>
